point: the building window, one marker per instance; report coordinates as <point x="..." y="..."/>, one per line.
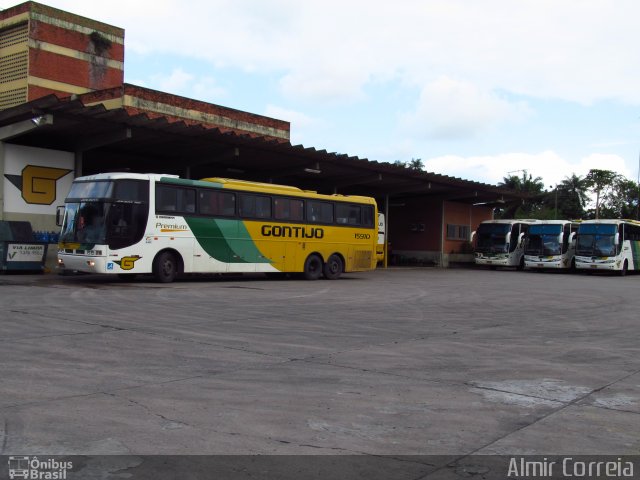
<point x="457" y="232"/>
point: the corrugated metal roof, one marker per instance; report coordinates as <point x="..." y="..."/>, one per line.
<point x="155" y="144"/>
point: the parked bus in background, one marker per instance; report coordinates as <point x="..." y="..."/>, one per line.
<point x="608" y="245"/>
<point x="551" y="244"/>
<point x="380" y="248"/>
<point x="500" y="243"/>
<point x="122" y="223"/>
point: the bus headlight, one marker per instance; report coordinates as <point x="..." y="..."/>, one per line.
<point x="91" y="263"/>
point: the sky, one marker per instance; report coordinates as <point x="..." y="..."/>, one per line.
<point x="475" y="89"/>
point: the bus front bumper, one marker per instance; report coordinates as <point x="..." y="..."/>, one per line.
<point x="82" y="263"/>
<point x="545" y="262"/>
<point x="493" y="261"/>
<point x="602" y="264"/>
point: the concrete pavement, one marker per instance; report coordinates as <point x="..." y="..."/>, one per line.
<point x="397" y="362"/>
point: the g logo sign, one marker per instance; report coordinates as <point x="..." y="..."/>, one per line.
<point x="127" y="263"/>
<point x="38" y="184"/>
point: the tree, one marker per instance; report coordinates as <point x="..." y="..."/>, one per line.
<point x="621" y="200"/>
<point x="416" y="164"/>
<point x="571" y="196"/>
<point x="600" y="182"/>
<point x="526" y="184"/>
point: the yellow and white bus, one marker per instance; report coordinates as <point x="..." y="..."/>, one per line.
<point x="125" y="223"/>
<point x="608" y="245"/>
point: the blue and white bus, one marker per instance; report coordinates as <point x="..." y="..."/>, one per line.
<point x="608" y="245"/>
<point x="551" y="244"/>
<point x="500" y="243"/>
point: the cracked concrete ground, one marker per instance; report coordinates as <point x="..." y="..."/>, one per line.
<point x="397" y="362"/>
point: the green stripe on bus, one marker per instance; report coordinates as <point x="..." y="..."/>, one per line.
<point x="635" y="253"/>
<point x="227" y="241"/>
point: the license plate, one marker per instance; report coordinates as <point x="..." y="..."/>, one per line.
<point x="594" y="266"/>
<point x="540" y="265"/>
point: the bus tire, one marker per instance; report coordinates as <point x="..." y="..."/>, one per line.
<point x="625" y="268"/>
<point x="312" y="267"/>
<point x="165" y="267"/>
<point x="333" y="268"/>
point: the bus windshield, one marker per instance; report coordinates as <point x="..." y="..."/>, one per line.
<point x="106" y="213"/>
<point x="543" y="240"/>
<point x="492" y="237"/>
<point x="596" y="240"/>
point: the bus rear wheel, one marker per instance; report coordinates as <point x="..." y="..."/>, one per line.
<point x="165" y="267"/>
<point x="312" y="267"/>
<point x="333" y="268"/>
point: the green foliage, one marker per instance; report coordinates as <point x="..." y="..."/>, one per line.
<point x="524" y="184"/>
<point x="601" y="182"/>
<point x="414" y="164"/>
<point x="621" y="200"/>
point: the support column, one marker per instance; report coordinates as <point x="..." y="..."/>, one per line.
<point x="2" y="172"/>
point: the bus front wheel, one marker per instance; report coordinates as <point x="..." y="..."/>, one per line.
<point x="165" y="267"/>
<point x="333" y="268"/>
<point x="625" y="268"/>
<point x="312" y="267"/>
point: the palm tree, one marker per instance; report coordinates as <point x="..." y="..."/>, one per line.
<point x="572" y="192"/>
<point x="526" y="184"/>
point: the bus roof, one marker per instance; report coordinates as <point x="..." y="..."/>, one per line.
<point x="219" y="182"/>
<point x="123" y="176"/>
<point x="616" y="221"/>
<point x="512" y="220"/>
<point x="558" y="222"/>
<point x="246" y="185"/>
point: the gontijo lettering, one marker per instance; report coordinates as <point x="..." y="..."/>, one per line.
<point x="291" y="232"/>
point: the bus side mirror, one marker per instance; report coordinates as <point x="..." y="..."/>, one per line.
<point x="521" y="239"/>
<point x="507" y="238"/>
<point x="473" y="236"/>
<point x="572" y="237"/>
<point x="59" y="215"/>
<point x="616" y="239"/>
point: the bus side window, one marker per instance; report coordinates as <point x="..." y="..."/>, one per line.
<point x="214" y="202"/>
<point x="319" y="212"/>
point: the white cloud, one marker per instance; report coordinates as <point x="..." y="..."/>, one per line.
<point x="549" y="165"/>
<point x="175" y="81"/>
<point x="451" y="109"/>
<point x="184" y="83"/>
<point x="301" y="123"/>
<point x="577" y="50"/>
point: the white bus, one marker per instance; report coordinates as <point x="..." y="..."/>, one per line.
<point x="608" y="245"/>
<point x="551" y="244"/>
<point x="126" y="224"/>
<point x="500" y="243"/>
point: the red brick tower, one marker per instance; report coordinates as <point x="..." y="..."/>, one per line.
<point x="44" y="50"/>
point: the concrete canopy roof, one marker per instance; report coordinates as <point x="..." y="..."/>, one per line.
<point x="115" y="140"/>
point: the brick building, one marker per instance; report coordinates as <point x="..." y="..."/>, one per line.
<point x="65" y="111"/>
